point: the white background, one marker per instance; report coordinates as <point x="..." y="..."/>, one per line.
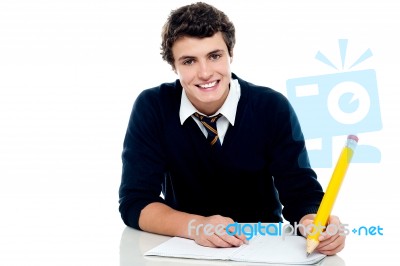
<point x="70" y="71"/>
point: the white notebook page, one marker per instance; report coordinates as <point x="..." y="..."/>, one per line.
<point x="265" y="249"/>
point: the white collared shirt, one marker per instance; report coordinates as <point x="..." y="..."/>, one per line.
<point x="228" y="111"/>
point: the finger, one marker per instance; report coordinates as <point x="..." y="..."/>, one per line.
<point x="229" y="236"/>
<point x="332" y="246"/>
<point x="219" y="242"/>
<point x="240" y="236"/>
<point x="326" y="239"/>
<point x="306" y="228"/>
<point x="307" y="222"/>
<point x="332" y="251"/>
<point x="332" y="229"/>
<point x="333" y="219"/>
<point x="234" y="240"/>
<point x="325" y="235"/>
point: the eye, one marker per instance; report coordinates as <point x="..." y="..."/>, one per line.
<point x="215" y="56"/>
<point x="188" y="62"/>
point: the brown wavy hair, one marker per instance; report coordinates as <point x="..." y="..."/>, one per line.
<point x="199" y="20"/>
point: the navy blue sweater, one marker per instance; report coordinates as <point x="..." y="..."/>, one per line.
<point x="262" y="165"/>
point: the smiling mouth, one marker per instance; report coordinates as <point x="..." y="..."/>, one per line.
<point x="208" y="85"/>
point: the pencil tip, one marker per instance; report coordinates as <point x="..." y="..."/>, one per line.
<point x="308" y="254"/>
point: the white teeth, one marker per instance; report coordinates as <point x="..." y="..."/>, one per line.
<point x="209" y="85"/>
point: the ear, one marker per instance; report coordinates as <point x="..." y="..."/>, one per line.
<point x="231" y="56"/>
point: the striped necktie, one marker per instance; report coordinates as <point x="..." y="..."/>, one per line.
<point x="210" y="123"/>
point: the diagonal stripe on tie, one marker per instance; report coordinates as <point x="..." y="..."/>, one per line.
<point x="210" y="123"/>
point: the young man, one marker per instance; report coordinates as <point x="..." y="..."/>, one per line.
<point x="220" y="149"/>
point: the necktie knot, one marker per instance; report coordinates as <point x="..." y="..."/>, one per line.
<point x="210" y="123"/>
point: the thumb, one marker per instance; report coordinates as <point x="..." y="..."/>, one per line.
<point x="304" y="229"/>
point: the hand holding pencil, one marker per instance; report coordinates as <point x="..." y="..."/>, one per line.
<point x="330" y="242"/>
<point x="323" y="215"/>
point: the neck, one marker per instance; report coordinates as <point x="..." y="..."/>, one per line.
<point x="208" y="109"/>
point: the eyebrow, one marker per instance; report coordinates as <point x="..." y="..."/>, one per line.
<point x="183" y="57"/>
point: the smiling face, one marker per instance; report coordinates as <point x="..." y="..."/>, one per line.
<point x="203" y="67"/>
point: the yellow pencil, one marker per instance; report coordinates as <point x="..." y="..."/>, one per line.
<point x="331" y="193"/>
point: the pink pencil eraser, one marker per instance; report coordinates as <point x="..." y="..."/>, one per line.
<point x="353" y="137"/>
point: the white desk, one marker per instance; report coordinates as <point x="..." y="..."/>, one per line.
<point x="135" y="243"/>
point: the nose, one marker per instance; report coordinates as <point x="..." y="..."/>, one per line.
<point x="204" y="71"/>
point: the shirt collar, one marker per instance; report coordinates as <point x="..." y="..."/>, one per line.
<point x="228" y="109"/>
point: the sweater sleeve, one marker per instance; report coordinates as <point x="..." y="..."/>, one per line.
<point x="299" y="191"/>
<point x="143" y="165"/>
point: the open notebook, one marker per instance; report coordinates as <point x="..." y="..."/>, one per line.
<point x="262" y="249"/>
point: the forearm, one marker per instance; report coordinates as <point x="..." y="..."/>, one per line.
<point x="161" y="219"/>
